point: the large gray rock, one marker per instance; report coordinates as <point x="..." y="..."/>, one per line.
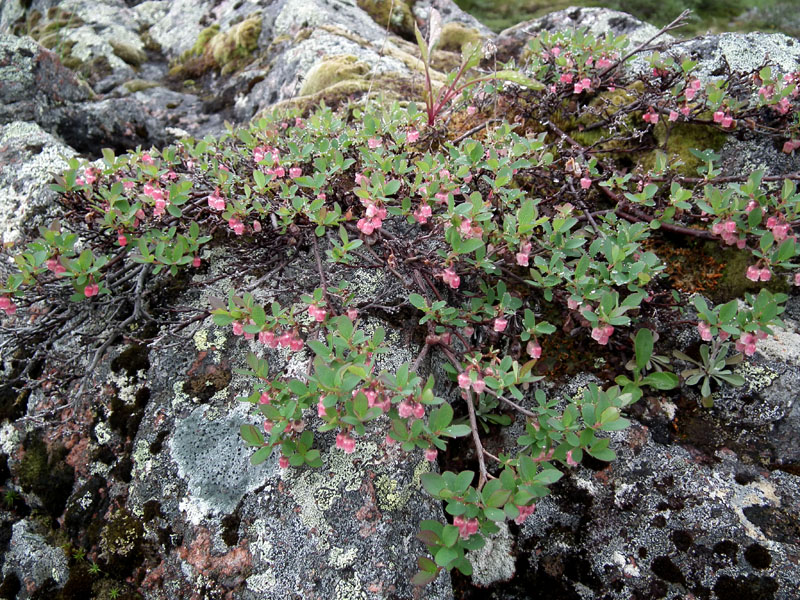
<point x="29" y="159"/>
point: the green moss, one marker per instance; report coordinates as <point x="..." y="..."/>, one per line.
<point x="220" y="51"/>
<point x="138" y="85"/>
<point x="121" y="542"/>
<point x="46" y="474"/>
<point x="401" y="20"/>
<point x="682" y="138"/>
<point x="342" y="69"/>
<point x="133" y="359"/>
<point x="130" y="54"/>
<point x="733" y="283"/>
<point x="457" y="35"/>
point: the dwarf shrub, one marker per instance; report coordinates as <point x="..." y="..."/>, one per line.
<point x="510" y="236"/>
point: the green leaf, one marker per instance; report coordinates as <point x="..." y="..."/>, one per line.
<point x="417" y="301"/>
<point x="433" y="483"/>
<point x="260" y="455"/>
<point x="643" y="345"/>
<point x="445" y="556"/>
<point x="662" y="381"/>
<point x="423" y="578"/>
<point x="251" y="435"/>
<point x="494" y="514"/>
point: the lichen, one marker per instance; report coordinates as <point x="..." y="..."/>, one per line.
<point x="456" y="35"/>
<point x="130" y="54"/>
<point x="340" y="558"/>
<point x="139" y="85"/>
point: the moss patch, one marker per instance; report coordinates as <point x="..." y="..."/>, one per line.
<point x="214" y="50"/>
<point x="345" y="70"/>
<point x="682" y="138"/>
<point x="138" y="85"/>
<point x="45" y="473"/>
<point x="457" y="35"/>
<point x="121" y="541"/>
<point x="130" y="54"/>
<point x="400" y="21"/>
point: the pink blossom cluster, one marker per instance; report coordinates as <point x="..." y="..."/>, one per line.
<point x="317" y="313"/>
<point x="500" y="324"/>
<point x="524" y="513"/>
<point x="381" y="400"/>
<point x="122" y="239"/>
<point x="705" y="331"/>
<point x="91" y="290"/>
<point x="601" y="334"/>
<point x="779" y="228"/>
<point x="723" y="118"/>
<point x="89" y="177"/>
<point x="159" y="196"/>
<point x="586" y="182"/>
<point x="431" y="454"/>
<point x="523" y="256"/>
<point x="373" y="220"/>
<point x="465" y="382"/>
<point x="468" y="229"/>
<point x="533" y="349"/>
<point x="755" y="274"/>
<point x="727" y="230"/>
<point x="450" y="278"/>
<point x="260" y="153"/>
<point x="584" y="84"/>
<point x="651" y="116"/>
<point x="345" y="442"/>
<point x="791" y="145"/>
<point x="408" y="408"/>
<point x="423" y="213"/>
<point x="7" y="305"/>
<point x="412" y="135"/>
<point x="215" y="201"/>
<point x="55" y="266"/>
<point x="691" y="90"/>
<point x="747" y="342"/>
<point x="236" y="225"/>
<point x="466" y="528"/>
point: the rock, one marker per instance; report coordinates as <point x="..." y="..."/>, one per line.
<point x="34" y="560"/>
<point x="29" y="159"/>
<point x="663" y="521"/>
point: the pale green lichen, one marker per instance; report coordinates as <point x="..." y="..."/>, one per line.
<point x="316" y="491"/>
<point x="390" y="497"/>
<point x="756" y="377"/>
<point x="180" y="398"/>
<point x="142" y="459"/>
<point x="350" y="589"/>
<point x="203" y="343"/>
<point x="340" y="558"/>
<point x="103" y="433"/>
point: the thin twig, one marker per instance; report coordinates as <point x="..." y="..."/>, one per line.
<point x="475" y="129"/>
<point x="476" y="439"/>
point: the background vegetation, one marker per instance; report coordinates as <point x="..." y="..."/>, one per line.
<point x="716" y="16"/>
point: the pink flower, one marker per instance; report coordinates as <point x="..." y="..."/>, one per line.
<point x="431" y="454"/>
<point x="718" y="116"/>
<point x="366" y="226"/>
<point x="586" y="182"/>
<point x="298" y="122"/>
<point x="533" y="349"/>
<point x="464" y="381"/>
<point x="317" y="313"/>
<point x="236" y="225"/>
<point x="571" y="461"/>
<point x="783" y="106"/>
<point x="524" y="513"/>
<point x="7" y="305"/>
<point x="361" y="178"/>
<point x="373" y="143"/>
<point x="268" y="425"/>
<point x="705" y="331"/>
<point x="196" y="262"/>
<point x="266" y="337"/>
<point x="147" y="159"/>
<point x="412" y="135"/>
<point x="566" y="78"/>
<point x="352" y="313"/>
<point x="295" y="172"/>
<point x="283" y="462"/>
<point x="673" y="115"/>
<point x="238" y="329"/>
<point x="478" y="386"/>
<point x="765" y="274"/>
<point x="753" y="273"/>
<point x="346" y="443"/>
<point x="602" y="334"/>
<point x="556" y="51"/>
<point x="685" y="110"/>
<point x="91" y="290"/>
<point x="321" y="410"/>
<point x="450" y="278"/>
<point x="296" y="344"/>
<point x="522" y="259"/>
<point x="500" y="324"/>
<point x="466" y="528"/>
<point x="797" y="278"/>
<point x="215" y="201"/>
<point x="121" y="239"/>
<point x="471" y="110"/>
<point x="650" y="116"/>
<point x="264" y="398"/>
<point x="404" y="409"/>
<point x="423" y="213"/>
<point x="572" y="304"/>
<point x="727" y="121"/>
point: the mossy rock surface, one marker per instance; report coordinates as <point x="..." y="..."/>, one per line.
<point x="215" y="50"/>
<point x="335" y="70"/>
<point x="399" y="17"/>
<point x="456" y="35"/>
<point x="131" y="55"/>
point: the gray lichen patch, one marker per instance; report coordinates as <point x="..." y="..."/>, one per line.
<point x="214" y="462"/>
